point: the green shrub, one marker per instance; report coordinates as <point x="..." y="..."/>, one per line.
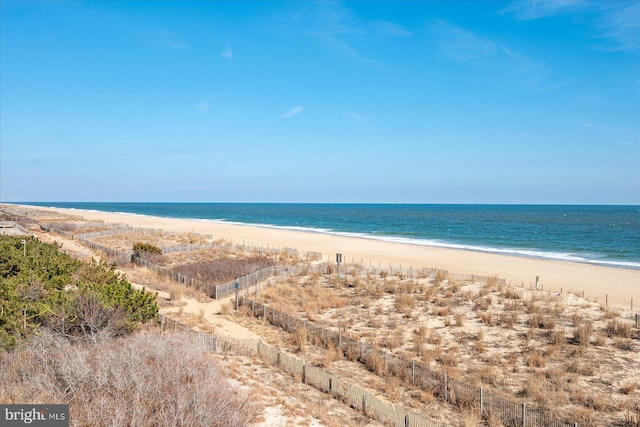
<point x="140" y="249"/>
<point x="48" y="288"/>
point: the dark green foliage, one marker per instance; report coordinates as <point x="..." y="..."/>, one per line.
<point x="140" y="249"/>
<point x="49" y="288"/>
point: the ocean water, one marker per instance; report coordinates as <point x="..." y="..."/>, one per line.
<point x="608" y="235"/>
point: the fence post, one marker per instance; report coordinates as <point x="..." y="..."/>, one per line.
<point x="524" y="415"/>
<point x="406" y="421"/>
<point x="446" y="392"/>
<point x="481" y="403"/>
<point x="304" y="372"/>
<point x="364" y="405"/>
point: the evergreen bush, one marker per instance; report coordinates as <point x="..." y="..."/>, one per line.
<point x="48" y="288"/>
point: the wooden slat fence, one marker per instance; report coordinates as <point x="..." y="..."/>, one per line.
<point x="103" y="233"/>
<point x="455" y="392"/>
<point x="357" y="397"/>
<point x="208" y="288"/>
<point x="214" y="343"/>
<point x="188" y="248"/>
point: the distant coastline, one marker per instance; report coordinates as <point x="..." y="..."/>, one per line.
<point x="601" y="235"/>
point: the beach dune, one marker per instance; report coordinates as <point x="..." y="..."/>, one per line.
<point x="619" y="285"/>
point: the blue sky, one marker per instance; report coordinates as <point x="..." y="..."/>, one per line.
<point x="399" y="102"/>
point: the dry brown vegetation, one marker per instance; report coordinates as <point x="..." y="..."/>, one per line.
<point x="125" y="240"/>
<point x="221" y="270"/>
<point x="560" y="352"/>
<point x="147" y="379"/>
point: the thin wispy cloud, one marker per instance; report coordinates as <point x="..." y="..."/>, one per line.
<point x="615" y="24"/>
<point x="340" y="31"/>
<point x="387" y="28"/>
<point x="462" y="45"/>
<point x="620" y="27"/>
<point x="357" y="117"/>
<point x="532" y="74"/>
<point x="474" y="49"/>
<point x="584" y="96"/>
<point x="338" y="28"/>
<point x="534" y="9"/>
<point x="227" y="53"/>
<point x="341" y="47"/>
<point x="162" y="37"/>
<point x="293" y="112"/>
<point x="597" y="126"/>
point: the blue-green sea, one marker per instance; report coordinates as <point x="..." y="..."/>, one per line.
<point x="608" y="235"/>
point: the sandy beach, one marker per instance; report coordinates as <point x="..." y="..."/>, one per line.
<point x="598" y="282"/>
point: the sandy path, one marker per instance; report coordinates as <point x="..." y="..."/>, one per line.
<point x="208" y="311"/>
<point x="70" y="247"/>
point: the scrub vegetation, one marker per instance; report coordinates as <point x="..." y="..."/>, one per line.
<point x="80" y="333"/>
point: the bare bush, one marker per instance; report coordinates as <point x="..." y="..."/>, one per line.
<point x="629" y="386"/>
<point x="175" y="292"/>
<point x="64" y="226"/>
<point x="582" y="334"/>
<point x="147" y="379"/>
<point x="222" y="270"/>
<point x="405" y="303"/>
<point x="616" y="328"/>
<point x="87" y="318"/>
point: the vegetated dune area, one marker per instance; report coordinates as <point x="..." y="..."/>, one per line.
<point x="396" y="335"/>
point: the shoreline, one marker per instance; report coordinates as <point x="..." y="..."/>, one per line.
<point x="533" y="253"/>
<point x="597" y="281"/>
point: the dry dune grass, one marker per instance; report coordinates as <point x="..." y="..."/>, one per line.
<point x="158" y="282"/>
<point x="218" y="270"/>
<point x="125" y="241"/>
<point x="147" y="379"/>
<point x="561" y="352"/>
